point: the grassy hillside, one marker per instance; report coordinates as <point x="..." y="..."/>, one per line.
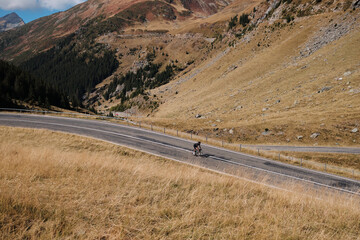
<point x="56" y="185"/>
<point x="279" y="83"/>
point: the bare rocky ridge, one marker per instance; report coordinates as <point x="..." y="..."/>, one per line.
<point x="330" y="33"/>
<point x="205" y="7"/>
<point x="356" y="4"/>
<point x="10" y="21"/>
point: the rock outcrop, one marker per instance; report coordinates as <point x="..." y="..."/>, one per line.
<point x="10" y="21"/>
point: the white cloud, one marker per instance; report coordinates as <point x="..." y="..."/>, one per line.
<point x="58" y="4"/>
<point x="31" y="4"/>
<point x="17" y="4"/>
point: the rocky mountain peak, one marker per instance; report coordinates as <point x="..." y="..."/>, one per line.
<point x="10" y="21"/>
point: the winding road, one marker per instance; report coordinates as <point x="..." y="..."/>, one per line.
<point x="255" y="168"/>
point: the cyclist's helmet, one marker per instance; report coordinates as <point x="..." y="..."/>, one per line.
<point x="199" y="142"/>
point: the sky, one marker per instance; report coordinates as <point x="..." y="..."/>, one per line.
<point x="30" y="10"/>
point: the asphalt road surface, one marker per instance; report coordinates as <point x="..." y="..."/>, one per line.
<point x="267" y="171"/>
<point x="347" y="150"/>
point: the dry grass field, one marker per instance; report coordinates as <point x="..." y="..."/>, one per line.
<point x="60" y="186"/>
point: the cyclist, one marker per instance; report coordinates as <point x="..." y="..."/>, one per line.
<point x="197" y="148"/>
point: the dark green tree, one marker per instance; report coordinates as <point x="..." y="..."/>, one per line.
<point x="244" y="19"/>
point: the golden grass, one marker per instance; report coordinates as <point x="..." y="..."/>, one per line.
<point x="344" y="160"/>
<point x="56" y="185"/>
<point x="347" y="165"/>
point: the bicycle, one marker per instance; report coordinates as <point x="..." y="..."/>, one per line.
<point x="197" y="152"/>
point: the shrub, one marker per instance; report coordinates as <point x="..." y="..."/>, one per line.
<point x="289" y="18"/>
<point x="244" y="19"/>
<point x="233" y="21"/>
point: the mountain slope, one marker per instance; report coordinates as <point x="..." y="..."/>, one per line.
<point x="43" y="33"/>
<point x="280" y="83"/>
<point x="10" y="21"/>
<point x="55" y="47"/>
<point x="255" y="71"/>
